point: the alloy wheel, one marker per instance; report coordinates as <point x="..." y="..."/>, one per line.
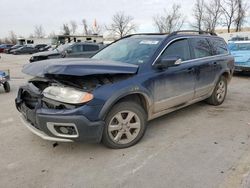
<point x="124" y="127"/>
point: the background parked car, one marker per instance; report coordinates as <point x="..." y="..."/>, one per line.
<point x="241" y="52"/>
<point x="78" y="49"/>
<point x="4" y="80"/>
<point x="9" y="50"/>
<point x="5" y="46"/>
<point x="39" y="46"/>
<point x="46" y="48"/>
<point x="25" y="50"/>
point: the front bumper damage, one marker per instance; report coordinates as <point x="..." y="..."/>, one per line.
<point x="40" y="133"/>
<point x="65" y="125"/>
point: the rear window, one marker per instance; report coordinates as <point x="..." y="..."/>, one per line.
<point x="200" y="47"/>
<point x="219" y="47"/>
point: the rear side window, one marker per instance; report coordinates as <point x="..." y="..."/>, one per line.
<point x="219" y="47"/>
<point x="179" y="48"/>
<point x="90" y="48"/>
<point x="200" y="47"/>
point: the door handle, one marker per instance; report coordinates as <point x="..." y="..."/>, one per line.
<point x="215" y="63"/>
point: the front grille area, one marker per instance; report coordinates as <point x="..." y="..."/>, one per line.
<point x="29" y="100"/>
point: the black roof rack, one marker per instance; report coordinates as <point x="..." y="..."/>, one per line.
<point x="175" y="33"/>
<point x="193" y="31"/>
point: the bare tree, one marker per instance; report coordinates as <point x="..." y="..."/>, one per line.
<point x="229" y="10"/>
<point x="170" y="21"/>
<point x="31" y="36"/>
<point x="6" y="40"/>
<point x="121" y="25"/>
<point x="39" y="31"/>
<point x="198" y="14"/>
<point x="12" y="37"/>
<point x="65" y="29"/>
<point x="52" y="34"/>
<point x="212" y="15"/>
<point x="241" y="14"/>
<point x="73" y="26"/>
<point x="86" y="30"/>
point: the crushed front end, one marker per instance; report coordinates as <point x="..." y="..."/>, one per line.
<point x="54" y="120"/>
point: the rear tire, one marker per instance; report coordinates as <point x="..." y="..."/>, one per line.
<point x="219" y="94"/>
<point x="125" y="125"/>
<point x="6" y="87"/>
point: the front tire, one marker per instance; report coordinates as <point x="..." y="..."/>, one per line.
<point x="6" y="87"/>
<point x="219" y="94"/>
<point x="125" y="125"/>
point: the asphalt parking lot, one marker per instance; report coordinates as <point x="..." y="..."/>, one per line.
<point x="198" y="146"/>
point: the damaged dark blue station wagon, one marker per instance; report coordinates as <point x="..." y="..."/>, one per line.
<point x="111" y="96"/>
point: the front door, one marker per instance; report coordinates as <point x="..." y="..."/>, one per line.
<point x="175" y="85"/>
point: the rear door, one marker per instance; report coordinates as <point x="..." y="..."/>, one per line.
<point x="202" y="56"/>
<point x="220" y="51"/>
<point x="174" y="86"/>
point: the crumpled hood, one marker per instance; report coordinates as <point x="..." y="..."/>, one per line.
<point x="47" y="53"/>
<point x="78" y="67"/>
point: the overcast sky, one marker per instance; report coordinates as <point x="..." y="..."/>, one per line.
<point x="21" y="16"/>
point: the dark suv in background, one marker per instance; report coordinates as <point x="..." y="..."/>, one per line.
<point x="79" y="49"/>
<point x="111" y="96"/>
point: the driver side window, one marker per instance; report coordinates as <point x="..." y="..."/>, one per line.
<point x="179" y="48"/>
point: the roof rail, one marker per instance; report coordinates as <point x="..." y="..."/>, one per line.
<point x="200" y="32"/>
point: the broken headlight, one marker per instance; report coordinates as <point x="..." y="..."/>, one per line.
<point x="67" y="95"/>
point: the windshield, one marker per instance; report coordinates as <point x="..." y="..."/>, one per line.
<point x="133" y="50"/>
<point x="239" y="46"/>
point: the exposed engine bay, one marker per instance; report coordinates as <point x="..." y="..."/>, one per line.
<point x="85" y="83"/>
<point x="32" y="93"/>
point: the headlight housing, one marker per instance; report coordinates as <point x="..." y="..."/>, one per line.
<point x="67" y="95"/>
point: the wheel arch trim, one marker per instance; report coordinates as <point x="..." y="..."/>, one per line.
<point x="121" y="95"/>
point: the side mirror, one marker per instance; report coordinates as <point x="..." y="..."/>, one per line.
<point x="165" y="62"/>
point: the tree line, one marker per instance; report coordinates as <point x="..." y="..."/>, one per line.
<point x="226" y="13"/>
<point x="207" y="16"/>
